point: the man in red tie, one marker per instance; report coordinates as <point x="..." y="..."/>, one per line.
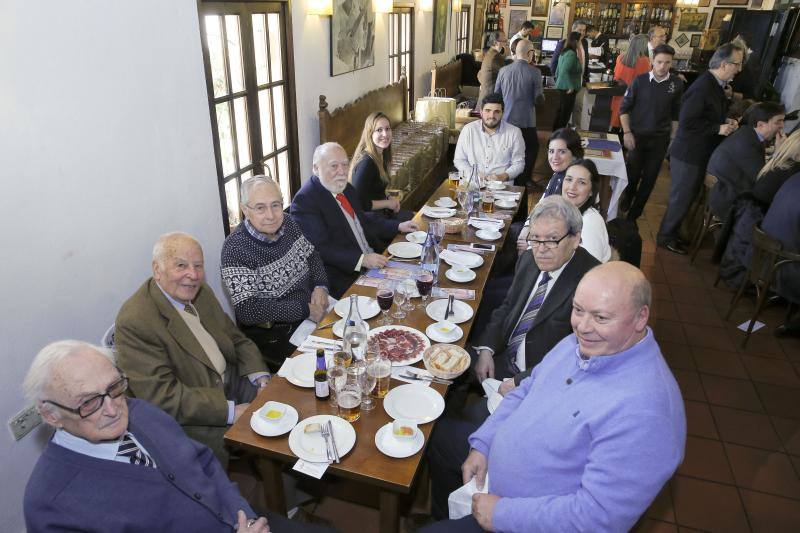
<point x="329" y="213"/>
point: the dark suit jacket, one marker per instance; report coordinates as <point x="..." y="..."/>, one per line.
<point x="557" y="52"/>
<point x="552" y="323"/>
<point x="735" y="163"/>
<point x="323" y="223"/>
<point x="703" y="110"/>
<point x="168" y="367"/>
<point x="189" y="491"/>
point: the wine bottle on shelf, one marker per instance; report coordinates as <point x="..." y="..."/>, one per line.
<point x="321" y="390"/>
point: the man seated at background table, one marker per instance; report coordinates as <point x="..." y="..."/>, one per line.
<point x="588" y="440"/>
<point x="181" y="351"/>
<point x="328" y="210"/>
<point x="738" y="159"/>
<point x="273" y="274"/>
<point x="116" y="464"/>
<point x="534" y="316"/>
<point x="491" y="143"/>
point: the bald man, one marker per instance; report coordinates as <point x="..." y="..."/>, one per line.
<point x="181" y="351"/>
<point x="588" y="440"/>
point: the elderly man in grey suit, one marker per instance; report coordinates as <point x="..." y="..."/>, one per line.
<point x="535" y="314"/>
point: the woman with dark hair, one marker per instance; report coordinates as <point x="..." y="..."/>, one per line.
<point x="581" y="188"/>
<point x="369" y="172"/>
<point x="569" y="79"/>
<point x="563" y="147"/>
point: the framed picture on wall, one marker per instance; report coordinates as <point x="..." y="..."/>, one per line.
<point x="732" y="2"/>
<point x="718" y="17"/>
<point x="537" y="33"/>
<point x="519" y="3"/>
<point x="695" y="42"/>
<point x="352" y="36"/>
<point x="555" y="32"/>
<point x="540" y="8"/>
<point x="515" y="19"/>
<point x="692" y="21"/>
<point x="439" y="26"/>
<point x="681" y="40"/>
<point x="558" y="13"/>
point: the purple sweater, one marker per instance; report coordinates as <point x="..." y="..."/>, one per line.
<point x="589" y="449"/>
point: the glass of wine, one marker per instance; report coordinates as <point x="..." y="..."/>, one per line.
<point x="385" y="296"/>
<point x="424" y="279"/>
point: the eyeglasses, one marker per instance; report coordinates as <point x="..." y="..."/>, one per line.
<point x="261" y="209"/>
<point x="93" y="404"/>
<point x="549" y="245"/>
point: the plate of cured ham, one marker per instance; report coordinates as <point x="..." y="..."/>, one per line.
<point x="401" y="344"/>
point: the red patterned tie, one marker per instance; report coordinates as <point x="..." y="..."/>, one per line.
<point x="346" y="205"/>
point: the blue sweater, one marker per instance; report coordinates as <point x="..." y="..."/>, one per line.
<point x="575" y="449"/>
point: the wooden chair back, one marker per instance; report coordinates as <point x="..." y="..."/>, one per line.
<point x="447" y="77"/>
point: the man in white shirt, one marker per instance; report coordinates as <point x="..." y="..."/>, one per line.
<point x="494" y="145"/>
<point x="523" y="33"/>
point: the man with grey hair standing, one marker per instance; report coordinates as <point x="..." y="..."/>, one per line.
<point x="273" y="274"/>
<point x="656" y="36"/>
<point x="117" y="464"/>
<point x="702" y="125"/>
<point x="329" y="212"/>
<point x="589" y="439"/>
<point x="181" y="351"/>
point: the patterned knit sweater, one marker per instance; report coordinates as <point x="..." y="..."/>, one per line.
<point x="271" y="280"/>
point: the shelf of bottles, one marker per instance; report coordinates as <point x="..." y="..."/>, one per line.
<point x="608" y="16"/>
<point x="640" y="17"/>
<point x="493" y="22"/>
<point x="585" y="10"/>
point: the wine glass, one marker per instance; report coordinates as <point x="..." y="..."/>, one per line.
<point x="400" y="298"/>
<point x="367" y="382"/>
<point x="436" y="228"/>
<point x="336" y="378"/>
<point x="385" y="296"/>
<point x="424" y="279"/>
<point x="465" y="201"/>
<point x="408" y="287"/>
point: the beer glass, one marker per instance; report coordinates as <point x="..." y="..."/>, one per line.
<point x="381" y="369"/>
<point x="349" y="396"/>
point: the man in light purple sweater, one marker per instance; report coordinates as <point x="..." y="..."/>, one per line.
<point x="588" y="440"/>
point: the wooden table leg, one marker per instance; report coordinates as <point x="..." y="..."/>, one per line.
<point x="272" y="479"/>
<point x="390" y="512"/>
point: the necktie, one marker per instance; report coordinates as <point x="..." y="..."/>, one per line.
<point x="528" y="316"/>
<point x="129" y="449"/>
<point x="189" y="308"/>
<point x="346" y="205"/>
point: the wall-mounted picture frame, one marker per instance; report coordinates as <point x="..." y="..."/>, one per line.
<point x="515" y="19"/>
<point x="519" y="3"/>
<point x="558" y="13"/>
<point x="692" y="21"/>
<point x="681" y="40"/>
<point x="537" y="33"/>
<point x="540" y="8"/>
<point x="439" y="26"/>
<point x="352" y="36"/>
<point x="554" y="32"/>
<point x="695" y="42"/>
<point x="718" y="16"/>
<point x="732" y="2"/>
<point x="710" y="40"/>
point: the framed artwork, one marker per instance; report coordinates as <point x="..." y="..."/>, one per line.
<point x="732" y="2"/>
<point x="555" y="32"/>
<point x="439" y="26"/>
<point x="695" y="40"/>
<point x="710" y="40"/>
<point x="523" y="3"/>
<point x="558" y="13"/>
<point x="537" y="33"/>
<point x="352" y="36"/>
<point x="515" y="19"/>
<point x="692" y="21"/>
<point x="718" y="16"/>
<point x="681" y="40"/>
<point x="540" y="8"/>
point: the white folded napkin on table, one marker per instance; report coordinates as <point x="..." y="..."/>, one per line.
<point x="313" y="343"/>
<point x="483" y="223"/>
<point x="507" y="194"/>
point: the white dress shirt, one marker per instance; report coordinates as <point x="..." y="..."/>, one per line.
<point x="494" y="153"/>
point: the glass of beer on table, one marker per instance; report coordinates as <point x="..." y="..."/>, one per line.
<point x="349" y="396"/>
<point x="487" y="204"/>
<point x="381" y="369"/>
<point x="455" y="179"/>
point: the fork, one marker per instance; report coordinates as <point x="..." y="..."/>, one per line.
<point x="419" y="377"/>
<point x="325" y="435"/>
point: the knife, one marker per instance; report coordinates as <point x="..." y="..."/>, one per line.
<point x="411" y="375"/>
<point x="449" y="309"/>
<point x="333" y="442"/>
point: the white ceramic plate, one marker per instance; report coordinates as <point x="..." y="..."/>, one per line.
<point x="416" y="358"/>
<point x="436" y="309"/>
<point x="416" y="236"/>
<point x="496" y="185"/>
<point x="405" y="250"/>
<point x="419" y="403"/>
<point x="488" y="235"/>
<point x="467" y="259"/>
<point x="437" y="212"/>
<point x="301" y="371"/>
<point x="266" y="428"/>
<point x="338" y="328"/>
<point x="434" y="331"/>
<point x="445" y="201"/>
<point x="311" y="446"/>
<point x="505" y="204"/>
<point x="390" y="445"/>
<point x="460" y="274"/>
<point x="367" y="306"/>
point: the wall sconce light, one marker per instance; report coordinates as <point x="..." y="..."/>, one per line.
<point x="382" y="6"/>
<point x="426" y="5"/>
<point x="456" y="6"/>
<point x="319" y="7"/>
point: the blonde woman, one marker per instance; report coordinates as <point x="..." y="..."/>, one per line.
<point x="633" y="62"/>
<point x="784" y="164"/>
<point x="369" y="172"/>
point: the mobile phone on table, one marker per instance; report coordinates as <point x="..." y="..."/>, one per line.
<point x="481" y="246"/>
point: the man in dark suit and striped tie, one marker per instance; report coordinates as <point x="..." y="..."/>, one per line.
<point x="535" y="314"/>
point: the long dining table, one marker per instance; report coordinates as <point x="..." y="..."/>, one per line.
<point x="364" y="464"/>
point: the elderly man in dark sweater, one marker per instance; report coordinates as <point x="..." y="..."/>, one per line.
<point x="274" y="275"/>
<point x="649" y="117"/>
<point x="702" y="126"/>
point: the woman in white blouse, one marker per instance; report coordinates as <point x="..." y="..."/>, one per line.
<point x="581" y="187"/>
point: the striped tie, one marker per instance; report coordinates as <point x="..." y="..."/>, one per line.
<point x="189" y="308"/>
<point x="129" y="449"/>
<point x="527" y="318"/>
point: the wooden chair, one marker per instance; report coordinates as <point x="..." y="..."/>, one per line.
<point x="708" y="222"/>
<point x="768" y="258"/>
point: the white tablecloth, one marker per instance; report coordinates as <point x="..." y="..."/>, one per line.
<point x="615" y="168"/>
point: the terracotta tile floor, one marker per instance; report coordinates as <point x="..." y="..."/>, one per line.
<point x="740" y="471"/>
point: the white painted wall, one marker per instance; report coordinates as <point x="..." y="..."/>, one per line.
<point x="105" y="143"/>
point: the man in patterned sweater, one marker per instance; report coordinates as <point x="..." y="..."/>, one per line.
<point x="273" y="274"/>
